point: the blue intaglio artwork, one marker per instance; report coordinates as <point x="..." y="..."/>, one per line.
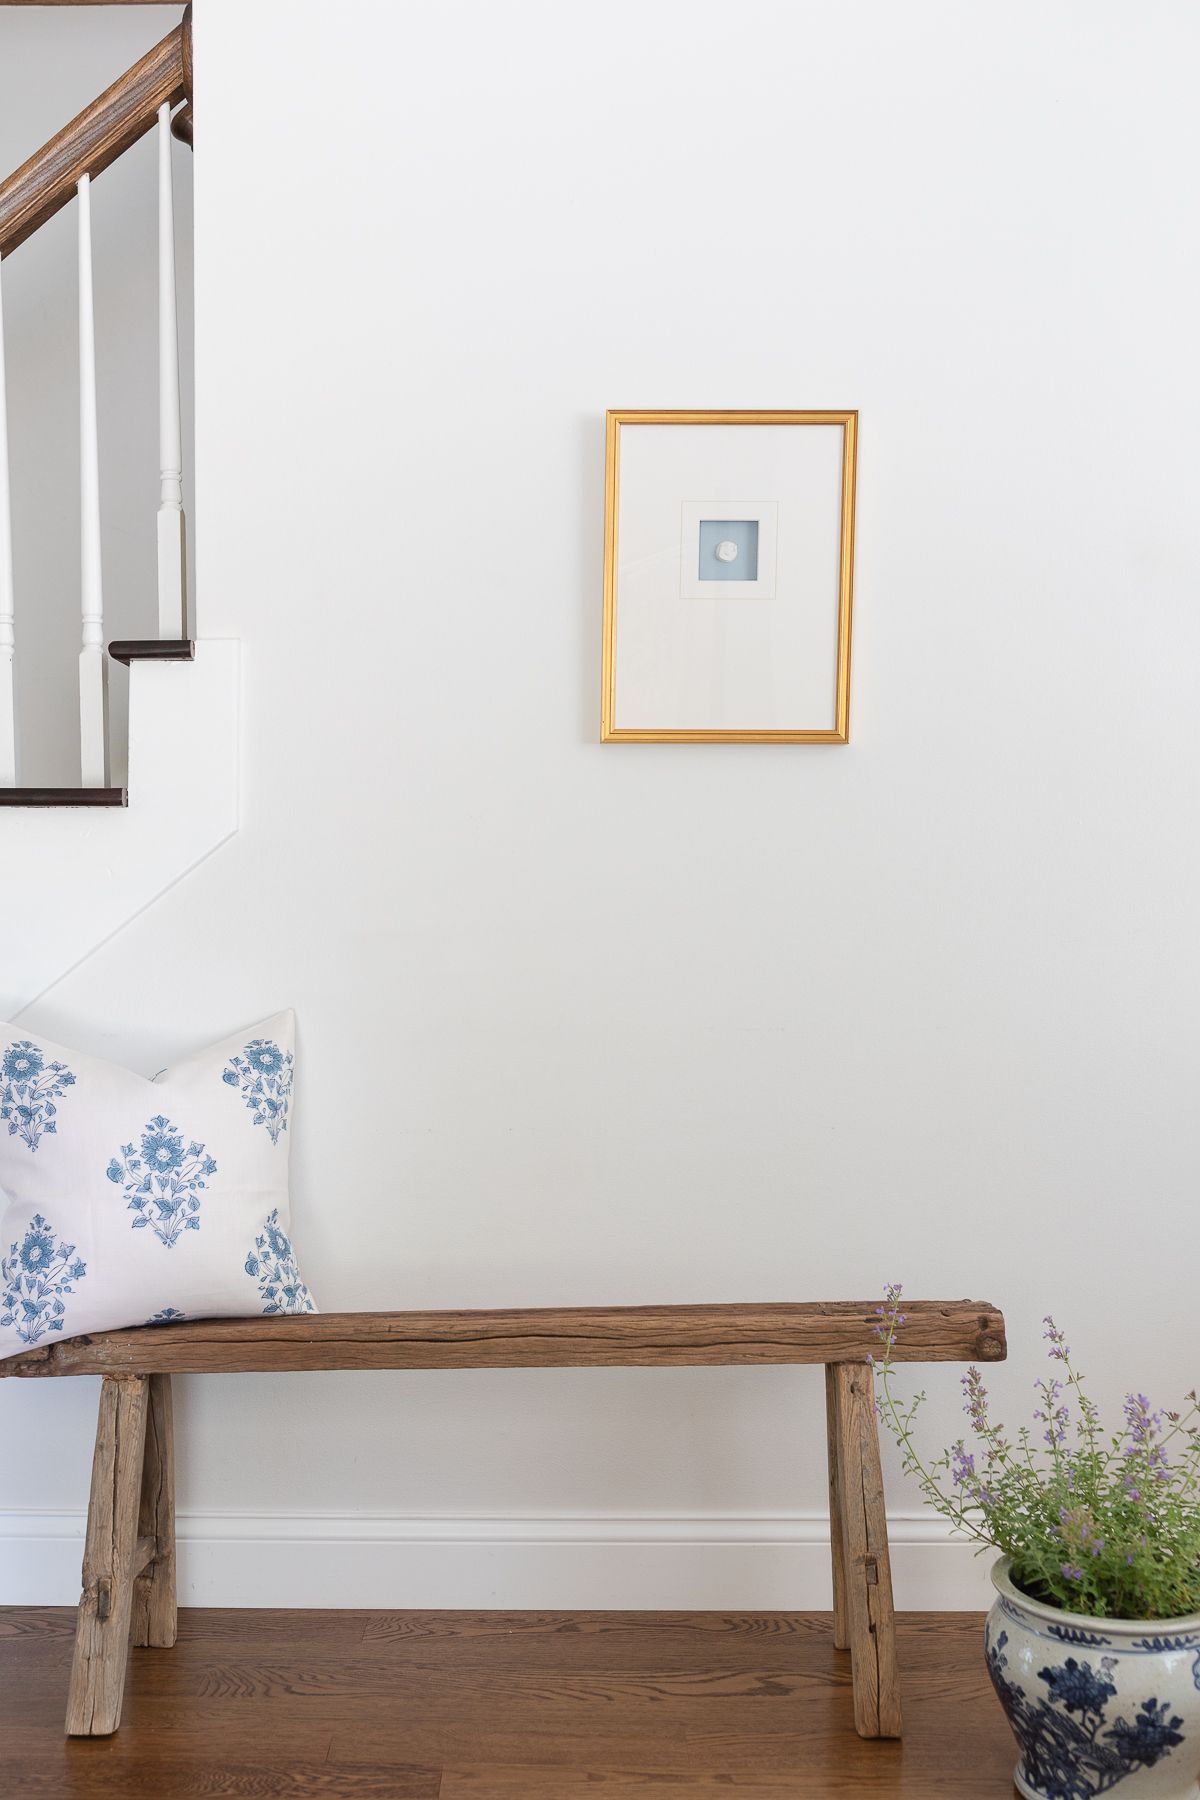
<point x="37" y="1277"/>
<point x="1069" y="1748"/>
<point x="29" y="1087"/>
<point x="163" y="1178"/>
<point x="272" y="1263"/>
<point x="264" y="1073"/>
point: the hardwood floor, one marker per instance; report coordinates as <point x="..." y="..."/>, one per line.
<point x="502" y="1706"/>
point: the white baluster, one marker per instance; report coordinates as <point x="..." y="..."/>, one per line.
<point x="172" y="530"/>
<point x="93" y="683"/>
<point x="8" y="723"/>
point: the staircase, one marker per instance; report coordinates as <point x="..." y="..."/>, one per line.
<point x="155" y="94"/>
<point x="68" y="880"/>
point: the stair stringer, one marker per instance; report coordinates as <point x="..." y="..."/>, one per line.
<point x="70" y="878"/>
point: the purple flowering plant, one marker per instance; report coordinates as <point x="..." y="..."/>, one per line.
<point x="1096" y="1522"/>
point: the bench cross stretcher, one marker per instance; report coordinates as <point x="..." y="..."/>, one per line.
<point x="129" y="1552"/>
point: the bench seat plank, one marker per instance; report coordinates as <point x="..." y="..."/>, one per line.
<point x="531" y="1338"/>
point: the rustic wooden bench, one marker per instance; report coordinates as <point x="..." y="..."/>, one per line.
<point x="129" y="1552"/>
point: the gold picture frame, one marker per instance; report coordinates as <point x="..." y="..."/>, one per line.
<point x="840" y="731"/>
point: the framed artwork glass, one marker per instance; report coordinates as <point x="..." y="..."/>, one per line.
<point x="728" y="577"/>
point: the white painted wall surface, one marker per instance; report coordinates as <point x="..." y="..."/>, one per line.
<point x="53" y="61"/>
<point x="645" y="1023"/>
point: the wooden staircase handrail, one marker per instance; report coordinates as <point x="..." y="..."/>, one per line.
<point x="101" y="132"/>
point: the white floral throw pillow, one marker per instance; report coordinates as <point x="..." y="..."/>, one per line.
<point x="135" y="1202"/>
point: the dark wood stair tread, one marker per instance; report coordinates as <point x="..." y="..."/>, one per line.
<point x="50" y="796"/>
<point x="127" y="650"/>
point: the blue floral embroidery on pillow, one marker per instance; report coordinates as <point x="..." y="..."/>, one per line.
<point x="167" y="1316"/>
<point x="29" y="1086"/>
<point x="264" y="1073"/>
<point x="164" y="1181"/>
<point x="272" y="1263"/>
<point x="36" y="1274"/>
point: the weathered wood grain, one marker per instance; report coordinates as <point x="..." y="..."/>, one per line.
<point x="153" y="1620"/>
<point x="112" y="1557"/>
<point x="865" y="1560"/>
<point x="129" y="1566"/>
<point x="539" y="1337"/>
<point x="837" y="1544"/>
<point x="93" y="139"/>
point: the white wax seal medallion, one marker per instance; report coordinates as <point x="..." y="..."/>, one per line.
<point x="726" y="551"/>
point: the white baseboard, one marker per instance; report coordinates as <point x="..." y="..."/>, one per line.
<point x="748" y="1562"/>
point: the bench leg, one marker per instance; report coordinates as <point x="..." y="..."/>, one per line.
<point x="864" y="1567"/>
<point x="154" y="1617"/>
<point x="837" y="1548"/>
<point x="113" y="1557"/>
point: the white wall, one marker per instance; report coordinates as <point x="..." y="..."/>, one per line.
<point x="53" y="61"/>
<point x="653" y="1023"/>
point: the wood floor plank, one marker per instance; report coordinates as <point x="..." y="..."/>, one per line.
<point x="37" y="1622"/>
<point x="803" y="1783"/>
<point x="502" y="1706"/>
<point x="731" y="1746"/>
<point x="449" y="1623"/>
<point x="168" y="1780"/>
<point x="555" y="1784"/>
<point x="150" y="1733"/>
<point x="596" y="1641"/>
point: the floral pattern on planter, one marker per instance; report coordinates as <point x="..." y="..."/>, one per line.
<point x="163" y="1179"/>
<point x="1069" y="1748"/>
<point x="29" y="1086"/>
<point x="264" y="1073"/>
<point x="37" y="1276"/>
<point x="272" y="1263"/>
<point x="168" y="1316"/>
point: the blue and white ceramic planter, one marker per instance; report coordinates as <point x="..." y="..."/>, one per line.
<point x="1096" y="1704"/>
